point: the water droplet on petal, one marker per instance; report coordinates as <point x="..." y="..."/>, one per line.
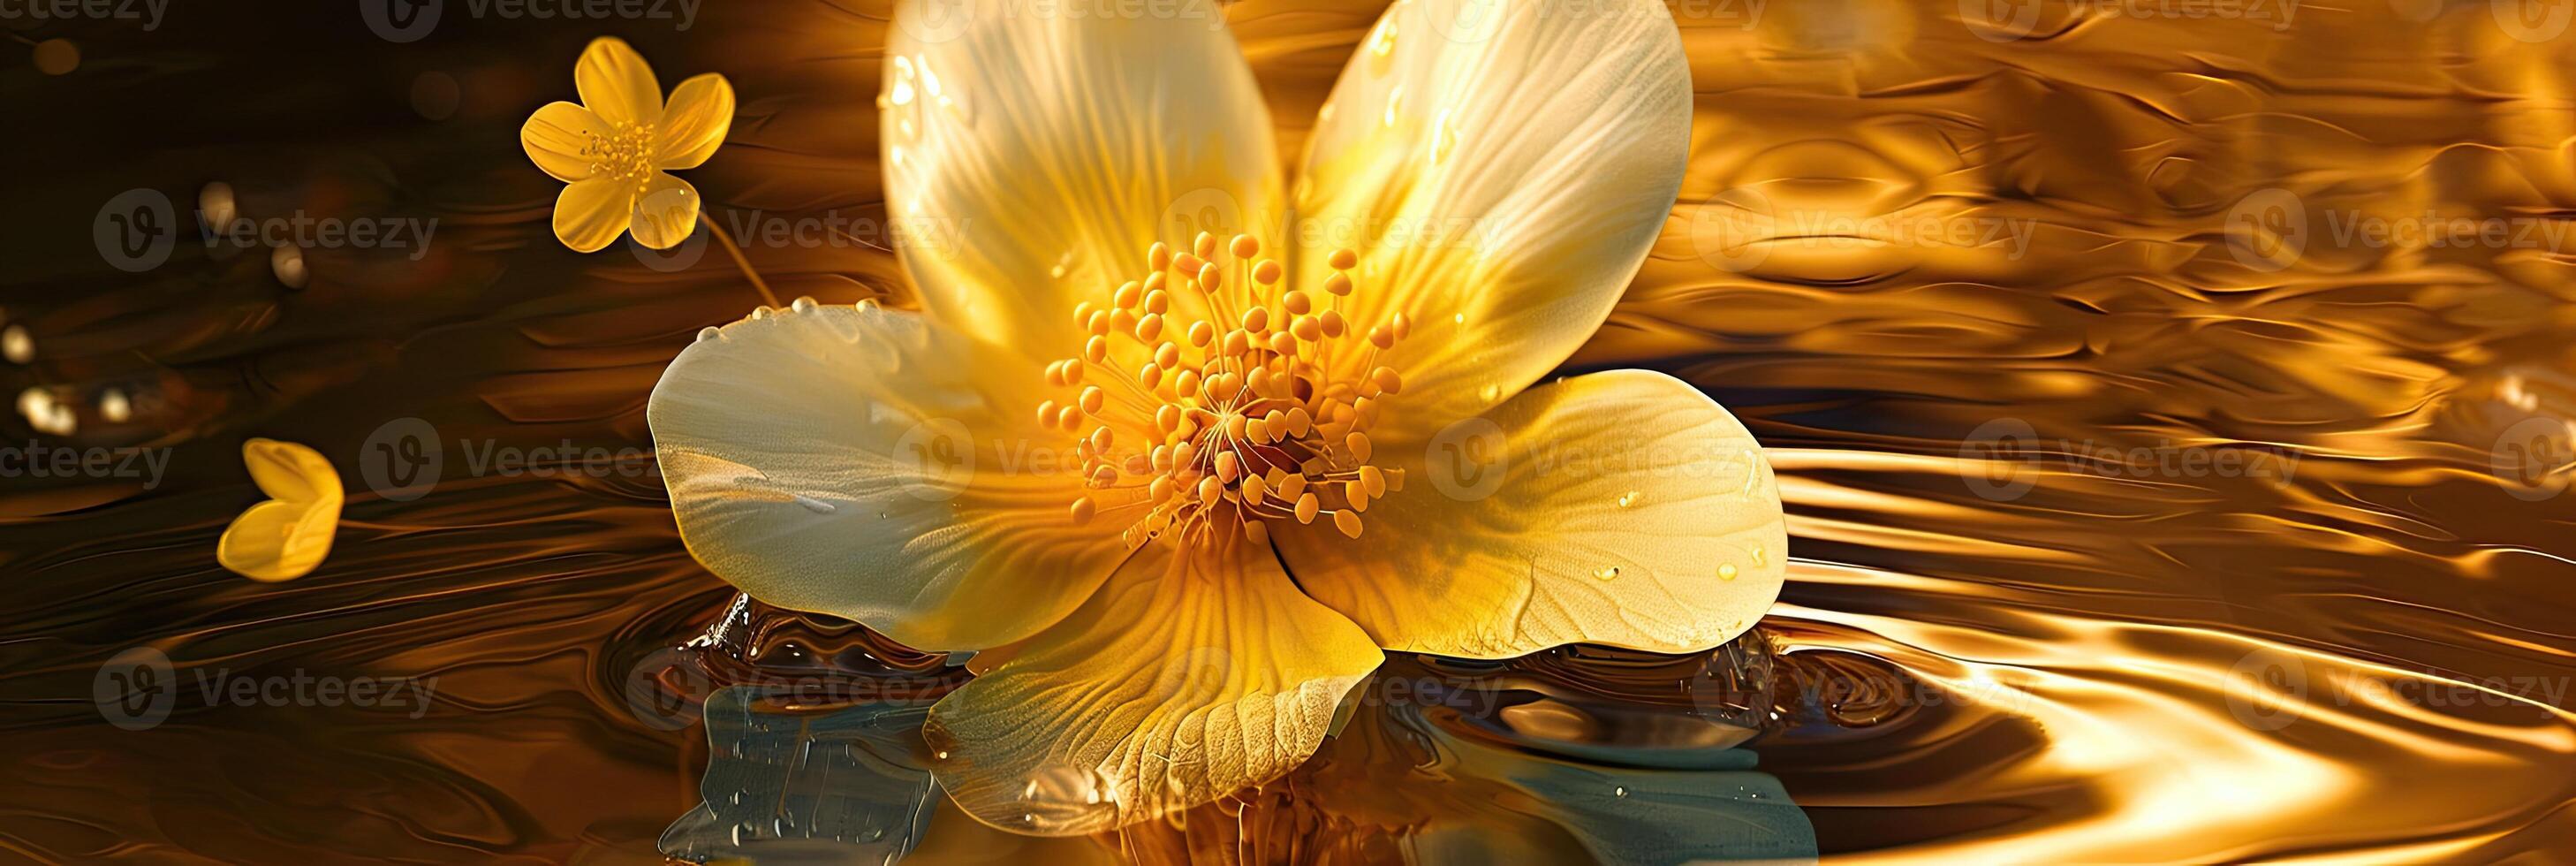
<point x="1609" y="573"/>
<point x="1620" y="791"/>
<point x="1726" y="571"/>
<point x="1629" y="498"/>
<point x="1394" y="104"/>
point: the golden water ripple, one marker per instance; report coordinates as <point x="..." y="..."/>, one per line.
<point x="2014" y="633"/>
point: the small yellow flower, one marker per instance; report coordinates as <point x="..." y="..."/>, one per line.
<point x="287" y="536"/>
<point x="1180" y="471"/>
<point x="617" y="147"/>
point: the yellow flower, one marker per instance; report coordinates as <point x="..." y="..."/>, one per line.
<point x="1179" y="472"/>
<point x="616" y="148"/>
<point x="287" y="536"/>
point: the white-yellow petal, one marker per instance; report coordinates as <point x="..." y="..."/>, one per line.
<point x="1621" y="508"/>
<point x="695" y="122"/>
<point x="589" y="214"/>
<point x="616" y="84"/>
<point x="874" y="465"/>
<point x="665" y="213"/>
<point x="1057" y="148"/>
<point x="1192" y="674"/>
<point x="289" y="535"/>
<point x="1501" y="170"/>
<point x="557" y="136"/>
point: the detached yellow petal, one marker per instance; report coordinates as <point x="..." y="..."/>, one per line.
<point x="1619" y="508"/>
<point x="1501" y="169"/>
<point x="694" y="124"/>
<point x="616" y="84"/>
<point x="1188" y="676"/>
<point x="590" y="214"/>
<point x="666" y="212"/>
<point x="289" y="535"/>
<point x="556" y="137"/>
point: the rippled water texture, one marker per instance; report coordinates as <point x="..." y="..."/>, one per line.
<point x="2158" y="516"/>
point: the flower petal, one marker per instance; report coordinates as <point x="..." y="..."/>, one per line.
<point x="1619" y="508"/>
<point x="555" y="137"/>
<point x="277" y="540"/>
<point x="694" y="124"/>
<point x="1193" y="673"/>
<point x="1062" y="146"/>
<point x="616" y="84"/>
<point x="873" y="465"/>
<point x="1502" y="170"/>
<point x="666" y="212"/>
<point x="289" y="472"/>
<point x="289" y="535"/>
<point x="591" y="213"/>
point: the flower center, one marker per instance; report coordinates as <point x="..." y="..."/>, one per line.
<point x="625" y="153"/>
<point x="1236" y="419"/>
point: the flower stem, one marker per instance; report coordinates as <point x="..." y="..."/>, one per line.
<point x="744" y="263"/>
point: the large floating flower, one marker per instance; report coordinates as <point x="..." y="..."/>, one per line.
<point x="618" y="147"/>
<point x="1179" y="486"/>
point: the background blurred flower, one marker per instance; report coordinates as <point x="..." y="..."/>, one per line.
<point x="617" y="147"/>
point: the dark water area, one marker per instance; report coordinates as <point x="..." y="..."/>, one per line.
<point x="2114" y="535"/>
